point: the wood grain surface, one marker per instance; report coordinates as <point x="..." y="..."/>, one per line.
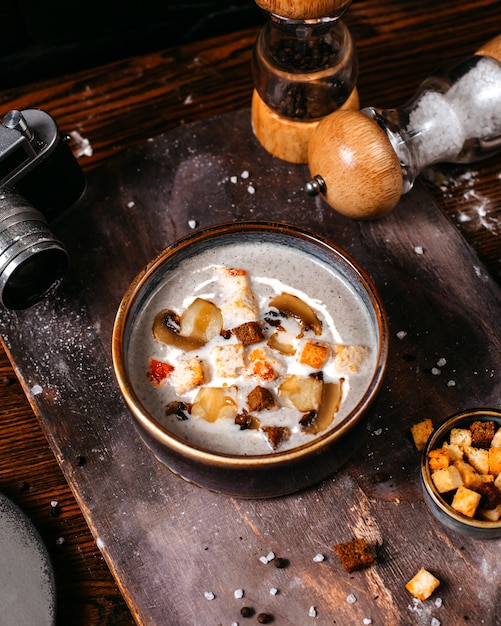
<point x="120" y="106"/>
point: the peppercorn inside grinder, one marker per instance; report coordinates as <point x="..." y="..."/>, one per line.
<point x="363" y="161"/>
<point x="304" y="67"/>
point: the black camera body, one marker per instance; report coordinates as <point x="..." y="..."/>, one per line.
<point x="39" y="180"/>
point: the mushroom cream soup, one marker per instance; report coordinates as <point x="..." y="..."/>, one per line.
<point x="252" y="348"/>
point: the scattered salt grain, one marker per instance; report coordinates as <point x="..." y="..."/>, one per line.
<point x="60" y="541"/>
<point x="234" y="180"/>
<point x="209" y="595"/>
<point x="266" y="559"/>
<point x="435" y="622"/>
<point x="251" y="189"/>
<point x="441" y="362"/>
<point x="378" y="431"/>
<point x="192" y="224"/>
<point x="131" y="204"/>
<point x="54" y="504"/>
<point x="438" y="602"/>
<point x="351" y="599"/>
<point x="366" y="621"/>
<point x="451" y="383"/>
<point x="312" y="612"/>
<point x="402" y="334"/>
<point x="273" y="591"/>
<point x="36" y="390"/>
<point x="188" y="99"/>
<point x="419" y="250"/>
<point x="245" y="174"/>
<point x="234" y="623"/>
<point x="435" y="371"/>
<point x="238" y="593"/>
<point x="318" y="558"/>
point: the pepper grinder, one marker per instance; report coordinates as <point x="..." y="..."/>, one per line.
<point x="363" y="161"/>
<point x="304" y="67"/>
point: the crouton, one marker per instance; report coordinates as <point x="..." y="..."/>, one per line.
<point x="447" y="479"/>
<point x="263" y="365"/>
<point x="423" y="584"/>
<point x="490" y="515"/>
<point x="438" y="459"/>
<point x="469" y="475"/>
<point x="460" y="436"/>
<point x="240" y="304"/>
<point x="466" y="501"/>
<point x="354" y="555"/>
<point x="188" y="374"/>
<point x="261" y="398"/>
<point x="421" y="432"/>
<point x="314" y="354"/>
<point x="455" y="451"/>
<point x="494" y="461"/>
<point x="478" y="458"/>
<point x="228" y="360"/>
<point x="276" y="435"/>
<point x="496" y="440"/>
<point x="249" y="333"/>
<point x="158" y="371"/>
<point x="482" y="434"/>
<point x="491" y="495"/>
<point x="349" y="359"/>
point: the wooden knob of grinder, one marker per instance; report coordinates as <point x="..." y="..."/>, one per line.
<point x="304" y="9"/>
<point x="354" y="159"/>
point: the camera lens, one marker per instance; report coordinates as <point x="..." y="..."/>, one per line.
<point x="32" y="259"/>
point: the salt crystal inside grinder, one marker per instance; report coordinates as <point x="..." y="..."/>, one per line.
<point x="304" y="67"/>
<point x="363" y="161"/>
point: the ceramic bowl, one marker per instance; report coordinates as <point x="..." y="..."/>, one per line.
<point x="440" y="504"/>
<point x="273" y="255"/>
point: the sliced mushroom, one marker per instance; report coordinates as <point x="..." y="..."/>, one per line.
<point x="165" y="332"/>
<point x="291" y="305"/>
<point x="329" y="406"/>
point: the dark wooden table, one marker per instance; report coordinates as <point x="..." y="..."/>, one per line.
<point x="121" y="105"/>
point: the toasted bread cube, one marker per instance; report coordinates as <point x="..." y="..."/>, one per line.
<point x="460" y="436"/>
<point x="466" y="501"/>
<point x="455" y="451"/>
<point x="349" y="359"/>
<point x="478" y="458"/>
<point x="447" y="479"/>
<point x="261" y="398"/>
<point x="263" y="365"/>
<point x="228" y="360"/>
<point x="249" y="333"/>
<point x="240" y="304"/>
<point x="495" y="461"/>
<point x="188" y="374"/>
<point x="482" y="434"/>
<point x="314" y="354"/>
<point x="354" y="555"/>
<point x="497" y="481"/>
<point x="438" y="459"/>
<point x="490" y="515"/>
<point x="469" y="475"/>
<point x="496" y="440"/>
<point x="423" y="584"/>
<point x="421" y="432"/>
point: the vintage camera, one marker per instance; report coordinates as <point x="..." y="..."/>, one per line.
<point x="39" y="179"/>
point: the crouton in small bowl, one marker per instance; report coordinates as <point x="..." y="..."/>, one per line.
<point x="461" y="473"/>
<point x="248" y="354"/>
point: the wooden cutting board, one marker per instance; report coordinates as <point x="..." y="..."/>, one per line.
<point x="167" y="542"/>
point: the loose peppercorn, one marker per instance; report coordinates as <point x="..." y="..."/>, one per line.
<point x="280" y="563"/>
<point x="264" y="618"/>
<point x="246" y="611"/>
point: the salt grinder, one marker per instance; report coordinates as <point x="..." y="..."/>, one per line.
<point x="363" y="161"/>
<point x="304" y="67"/>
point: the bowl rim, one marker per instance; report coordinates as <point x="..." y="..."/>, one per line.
<point x="462" y="417"/>
<point x="190" y="450"/>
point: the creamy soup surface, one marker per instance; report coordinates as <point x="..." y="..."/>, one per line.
<point x="241" y="280"/>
